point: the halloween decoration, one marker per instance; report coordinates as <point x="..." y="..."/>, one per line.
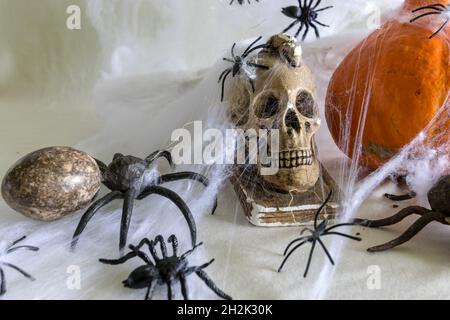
<point x="130" y="178"/>
<point x="240" y="65"/>
<point x="389" y="88"/>
<point x="434" y="9"/>
<point x="241" y="2"/>
<point x="319" y="231"/>
<point x="50" y="183"/>
<point x="439" y="199"/>
<point x="165" y="270"/>
<point x="284" y="100"/>
<point x="306" y="14"/>
<point x="10" y="249"/>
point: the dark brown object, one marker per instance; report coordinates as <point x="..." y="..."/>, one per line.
<point x="439" y="198"/>
<point x="50" y="183"/>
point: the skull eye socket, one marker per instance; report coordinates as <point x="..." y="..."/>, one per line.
<point x="305" y="104"/>
<point x="267" y="107"/>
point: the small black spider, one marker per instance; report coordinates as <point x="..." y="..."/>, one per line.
<point x="437" y="8"/>
<point x="9" y="249"/>
<point x="305" y="14"/>
<point x="241" y="2"/>
<point x="239" y="63"/>
<point x="130" y="178"/>
<point x="165" y="270"/>
<point x="319" y="231"/>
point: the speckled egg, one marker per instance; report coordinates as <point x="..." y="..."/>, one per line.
<point x="51" y="183"/>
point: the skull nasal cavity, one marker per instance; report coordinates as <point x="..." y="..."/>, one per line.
<point x="291" y="120"/>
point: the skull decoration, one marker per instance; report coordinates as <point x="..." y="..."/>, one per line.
<point x="284" y="99"/>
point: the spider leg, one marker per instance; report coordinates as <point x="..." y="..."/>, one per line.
<point x="403" y="197"/>
<point x="184" y="288"/>
<point x="342" y="234"/>
<point x="101" y="165"/>
<point x="261" y="46"/>
<point x="292" y="243"/>
<point x="31" y="248"/>
<point x="326" y="251"/>
<point x="291" y="25"/>
<point x="323" y="9"/>
<point x="115" y="262"/>
<point x="150" y="289"/>
<point x="440" y="29"/>
<point x="289" y="254"/>
<point x="424" y="15"/>
<point x="141" y="254"/>
<point x="152" y="249"/>
<point x="159" y="154"/>
<point x="228" y="60"/>
<point x="421" y="223"/>
<point x="170" y="294"/>
<point x="174" y="241"/>
<point x="320" y="23"/>
<point x="91" y="212"/>
<point x="247" y="51"/>
<point x="162" y="244"/>
<point x="232" y="51"/>
<point x="2" y="282"/>
<point x="355" y="222"/>
<point x="25" y="274"/>
<point x="17" y="241"/>
<point x="258" y="65"/>
<point x="178" y="201"/>
<point x="127" y="212"/>
<point x="309" y="258"/>
<point x="208" y="281"/>
<point x="438" y="6"/>
<point x="188" y="253"/>
<point x="402" y="214"/>
<point x="223" y="84"/>
<point x="317" y="4"/>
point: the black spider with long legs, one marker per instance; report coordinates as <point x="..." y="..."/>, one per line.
<point x="10" y="249"/>
<point x="165" y="270"/>
<point x="131" y="178"/>
<point x="439" y="199"/>
<point x="306" y="14"/>
<point x="319" y="231"/>
<point x="239" y="62"/>
<point x="435" y="9"/>
<point x="241" y="2"/>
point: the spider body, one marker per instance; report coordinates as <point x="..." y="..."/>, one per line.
<point x="10" y="249"/>
<point x="165" y="269"/>
<point x="306" y="14"/>
<point x="439" y="199"/>
<point x="131" y="178"/>
<point x="435" y="9"/>
<point x="319" y="230"/>
<point x="239" y="64"/>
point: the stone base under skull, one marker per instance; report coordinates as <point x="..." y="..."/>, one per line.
<point x="265" y="207"/>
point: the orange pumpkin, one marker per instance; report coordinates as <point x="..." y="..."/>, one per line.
<point x="390" y="86"/>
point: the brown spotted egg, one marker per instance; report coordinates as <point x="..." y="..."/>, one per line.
<point x="50" y="183"/>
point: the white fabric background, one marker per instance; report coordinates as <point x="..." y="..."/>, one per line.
<point x="136" y="71"/>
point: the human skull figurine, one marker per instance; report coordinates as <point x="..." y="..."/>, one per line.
<point x="284" y="99"/>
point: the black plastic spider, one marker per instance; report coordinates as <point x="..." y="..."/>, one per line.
<point x="306" y="15"/>
<point x="437" y="8"/>
<point x="241" y="2"/>
<point x="130" y="178"/>
<point x="319" y="231"/>
<point x="11" y="248"/>
<point x="165" y="270"/>
<point x="439" y="199"/>
<point x="239" y="63"/>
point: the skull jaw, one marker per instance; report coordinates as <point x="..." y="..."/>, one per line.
<point x="295" y="180"/>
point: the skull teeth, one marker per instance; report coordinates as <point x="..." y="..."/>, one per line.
<point x="294" y="159"/>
